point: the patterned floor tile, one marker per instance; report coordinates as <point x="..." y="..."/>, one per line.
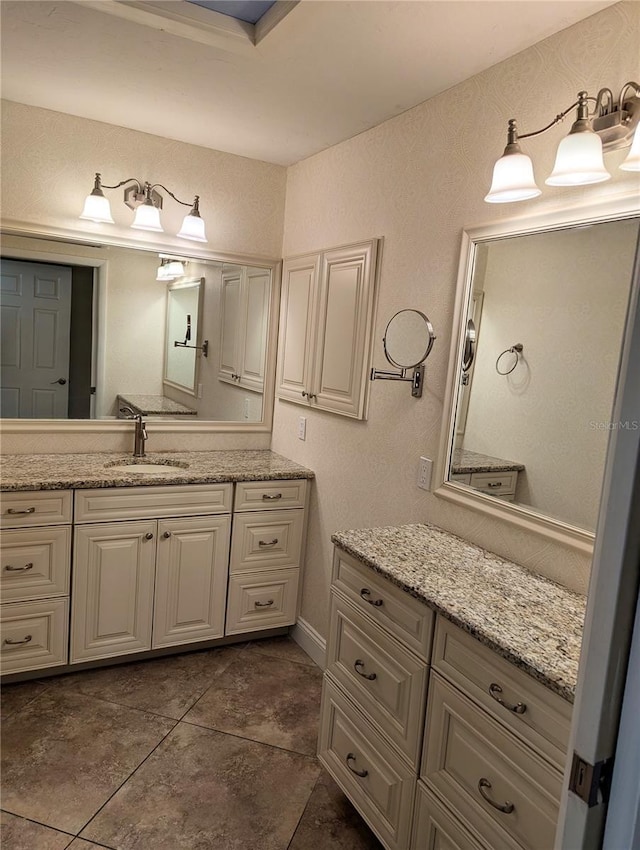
<point x="20" y="834"/>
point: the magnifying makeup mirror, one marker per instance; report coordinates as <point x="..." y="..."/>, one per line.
<point x="408" y="340"/>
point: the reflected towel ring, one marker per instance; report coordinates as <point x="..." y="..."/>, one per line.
<point x="515" y="349"/>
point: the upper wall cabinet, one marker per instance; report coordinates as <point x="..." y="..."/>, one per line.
<point x="244" y="317"/>
<point x="326" y="323"/>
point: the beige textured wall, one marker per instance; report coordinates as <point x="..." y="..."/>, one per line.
<point x="418" y="180"/>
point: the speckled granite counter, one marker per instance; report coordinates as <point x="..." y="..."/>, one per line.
<point x="155" y="405"/>
<point x="464" y="461"/>
<point x="529" y="620"/>
<point x="66" y="471"/>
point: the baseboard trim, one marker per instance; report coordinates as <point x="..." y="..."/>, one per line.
<point x="311" y="641"/>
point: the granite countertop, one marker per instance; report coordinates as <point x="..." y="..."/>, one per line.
<point x="156" y="405"/>
<point x="464" y="461"/>
<point x="66" y="471"/>
<point x="529" y="620"/>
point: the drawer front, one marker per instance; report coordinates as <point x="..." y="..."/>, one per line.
<point x="376" y="780"/>
<point x="494" y="482"/>
<point x="262" y="600"/>
<point x="266" y="540"/>
<point x="530" y="709"/>
<point x="386" y="681"/>
<point x="270" y="495"/>
<point x="477" y="765"/>
<point x="41" y="507"/>
<point x="435" y="828"/>
<point x="34" y="635"/>
<point x="120" y="503"/>
<point x="406" y="618"/>
<point x="34" y="563"/>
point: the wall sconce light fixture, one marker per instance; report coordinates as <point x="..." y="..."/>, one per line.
<point x="170" y="268"/>
<point x="147" y="203"/>
<point x="579" y="159"/>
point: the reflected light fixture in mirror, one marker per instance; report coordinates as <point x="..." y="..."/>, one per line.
<point x="147" y="203"/>
<point x="579" y="159"/>
<point x="171" y="268"/>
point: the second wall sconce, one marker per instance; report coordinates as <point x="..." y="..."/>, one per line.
<point x="579" y="159"/>
<point x="147" y="203"/>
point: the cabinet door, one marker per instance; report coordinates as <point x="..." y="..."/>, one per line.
<point x="297" y="327"/>
<point x="191" y="580"/>
<point x="229" y="324"/>
<point x="253" y="339"/>
<point x="341" y="357"/>
<point x="113" y="575"/>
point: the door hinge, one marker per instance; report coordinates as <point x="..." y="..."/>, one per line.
<point x="591" y="782"/>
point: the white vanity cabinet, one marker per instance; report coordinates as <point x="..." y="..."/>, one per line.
<point x="325" y="328"/>
<point x="500" y="484"/>
<point x="266" y="552"/>
<point x="35" y="554"/>
<point x="244" y="315"/>
<point x="437" y="740"/>
<point x="157" y="576"/>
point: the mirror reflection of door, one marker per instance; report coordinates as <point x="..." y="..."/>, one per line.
<point x="35" y="302"/>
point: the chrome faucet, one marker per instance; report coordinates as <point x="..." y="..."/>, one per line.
<point x="140" y="435"/>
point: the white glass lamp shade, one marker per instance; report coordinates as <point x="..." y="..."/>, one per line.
<point x="147" y="217"/>
<point x="163" y="272"/>
<point x="632" y="162"/>
<point x="175" y="268"/>
<point x="193" y="228"/>
<point x="97" y="208"/>
<point x="513" y="179"/>
<point x="579" y="161"/>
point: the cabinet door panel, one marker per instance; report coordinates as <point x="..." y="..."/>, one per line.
<point x="113" y="577"/>
<point x="191" y="580"/>
<point x="254" y="339"/>
<point x="297" y="319"/>
<point x="229" y="316"/>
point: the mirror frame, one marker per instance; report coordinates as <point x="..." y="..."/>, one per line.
<point x="98" y="240"/>
<point x="623" y="206"/>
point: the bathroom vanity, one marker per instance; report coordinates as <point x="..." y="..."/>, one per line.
<point x="448" y="691"/>
<point x="104" y="557"/>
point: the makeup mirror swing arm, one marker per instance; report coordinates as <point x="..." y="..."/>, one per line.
<point x="416" y="378"/>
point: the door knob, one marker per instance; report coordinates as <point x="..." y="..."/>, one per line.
<point x="61" y="381"/>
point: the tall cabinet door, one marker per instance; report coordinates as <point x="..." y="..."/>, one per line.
<point x="191" y="579"/>
<point x="297" y="326"/>
<point x="229" y="323"/>
<point x="113" y="578"/>
<point x="254" y="337"/>
<point x="345" y="319"/>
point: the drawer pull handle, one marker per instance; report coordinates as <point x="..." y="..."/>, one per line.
<point x="15" y="511"/>
<point x="11" y="569"/>
<point x="148" y="536"/>
<point x="505" y="807"/>
<point x="268" y="498"/>
<point x="263" y="604"/>
<point x="494" y="484"/>
<point x="366" y="593"/>
<point x="359" y="663"/>
<point x="362" y="773"/>
<point x="496" y="690"/>
<point x="9" y="642"/>
<point x="268" y="542"/>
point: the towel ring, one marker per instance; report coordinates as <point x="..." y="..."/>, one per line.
<point x="515" y="349"/>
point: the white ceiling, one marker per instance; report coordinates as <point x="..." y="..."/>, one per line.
<point x="326" y="72"/>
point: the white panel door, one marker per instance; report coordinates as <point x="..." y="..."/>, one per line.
<point x="254" y="337"/>
<point x="346" y="310"/>
<point x="229" y="324"/>
<point x="112" y="597"/>
<point x="191" y="579"/>
<point x="297" y="327"/>
<point x="35" y="302"/>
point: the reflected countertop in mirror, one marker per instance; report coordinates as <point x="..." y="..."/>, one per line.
<point x="464" y="461"/>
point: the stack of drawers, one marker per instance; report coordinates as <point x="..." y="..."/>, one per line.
<point x="374" y="693"/>
<point x="266" y="552"/>
<point x="35" y="556"/>
<point x="494" y="751"/>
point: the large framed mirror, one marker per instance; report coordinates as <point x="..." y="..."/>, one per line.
<point x="87" y="324"/>
<point x="540" y="315"/>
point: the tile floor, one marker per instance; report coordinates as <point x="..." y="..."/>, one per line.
<point x="209" y="750"/>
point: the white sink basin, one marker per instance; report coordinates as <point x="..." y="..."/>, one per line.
<point x="146" y="468"/>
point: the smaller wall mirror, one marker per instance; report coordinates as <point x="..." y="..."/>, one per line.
<point x="408" y="340"/>
<point x="183" y="344"/>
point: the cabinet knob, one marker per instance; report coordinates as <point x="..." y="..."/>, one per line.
<point x="148" y="536"/>
<point x="167" y="534"/>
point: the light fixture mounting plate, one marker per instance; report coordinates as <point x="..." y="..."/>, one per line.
<point x="133" y="198"/>
<point x="617" y="127"/>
